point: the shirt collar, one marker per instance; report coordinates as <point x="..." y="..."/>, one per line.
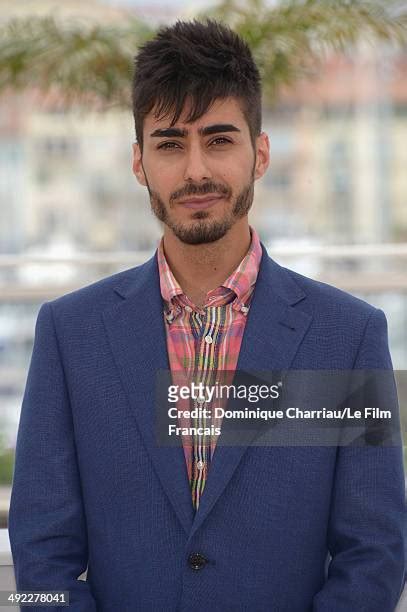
<point x="243" y="279"/>
<point x="168" y="283"/>
<point x="241" y="282"/>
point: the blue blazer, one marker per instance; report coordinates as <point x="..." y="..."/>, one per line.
<point x="282" y="529"/>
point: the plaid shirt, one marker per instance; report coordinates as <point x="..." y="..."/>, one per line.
<point x="201" y="342"/>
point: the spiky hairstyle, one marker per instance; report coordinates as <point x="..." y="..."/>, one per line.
<point x="200" y="61"/>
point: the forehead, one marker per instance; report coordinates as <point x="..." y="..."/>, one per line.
<point x="225" y="110"/>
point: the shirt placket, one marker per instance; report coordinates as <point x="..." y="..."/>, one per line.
<point x="205" y="334"/>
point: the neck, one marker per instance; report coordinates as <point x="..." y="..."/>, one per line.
<point x="199" y="268"/>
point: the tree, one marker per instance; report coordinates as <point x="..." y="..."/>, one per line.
<point x="289" y="40"/>
<point x="93" y="65"/>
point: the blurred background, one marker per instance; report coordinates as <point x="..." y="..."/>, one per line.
<point x="333" y="204"/>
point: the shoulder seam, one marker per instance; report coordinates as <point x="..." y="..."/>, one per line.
<point x="374" y="311"/>
<point x="49" y="304"/>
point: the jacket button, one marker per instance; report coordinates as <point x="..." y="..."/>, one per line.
<point x="196" y="561"/>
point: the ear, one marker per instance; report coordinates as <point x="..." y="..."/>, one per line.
<point x="137" y="165"/>
<point x="262" y="155"/>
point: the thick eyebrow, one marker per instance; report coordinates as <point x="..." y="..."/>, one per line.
<point x="205" y="131"/>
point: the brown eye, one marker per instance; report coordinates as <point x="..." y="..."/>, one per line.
<point x="167" y="145"/>
<point x="221" y="140"/>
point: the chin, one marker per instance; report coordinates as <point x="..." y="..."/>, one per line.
<point x="201" y="232"/>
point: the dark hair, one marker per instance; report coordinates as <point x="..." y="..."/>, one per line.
<point x="204" y="61"/>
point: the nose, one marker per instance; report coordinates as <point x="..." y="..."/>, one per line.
<point x="196" y="165"/>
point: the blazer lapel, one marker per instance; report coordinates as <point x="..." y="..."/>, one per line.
<point x="273" y="333"/>
<point x="135" y="327"/>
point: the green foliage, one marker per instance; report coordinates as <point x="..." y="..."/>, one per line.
<point x="93" y="65"/>
<point x="6" y="459"/>
<point x="87" y="64"/>
<point x="288" y="40"/>
<point x="6" y="466"/>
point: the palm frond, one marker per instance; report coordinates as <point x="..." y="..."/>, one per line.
<point x="95" y="63"/>
<point x="83" y="63"/>
<point x="287" y="40"/>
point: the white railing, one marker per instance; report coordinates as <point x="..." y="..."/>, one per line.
<point x="315" y="257"/>
<point x="346" y="251"/>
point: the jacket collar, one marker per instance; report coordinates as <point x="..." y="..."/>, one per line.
<point x="135" y="328"/>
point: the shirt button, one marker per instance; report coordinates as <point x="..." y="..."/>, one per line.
<point x="208" y="339"/>
<point x="188" y="308"/>
<point x="196" y="561"/>
<point x="244" y="309"/>
<point x="169" y="315"/>
<point x="200" y="465"/>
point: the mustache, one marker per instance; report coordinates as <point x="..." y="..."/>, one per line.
<point x="210" y="187"/>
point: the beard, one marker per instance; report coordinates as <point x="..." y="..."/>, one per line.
<point x="204" y="230"/>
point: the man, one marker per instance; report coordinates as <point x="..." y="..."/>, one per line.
<point x="199" y="526"/>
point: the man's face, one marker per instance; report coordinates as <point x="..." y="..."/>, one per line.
<point x="200" y="176"/>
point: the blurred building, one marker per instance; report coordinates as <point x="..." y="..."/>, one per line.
<point x="338" y="156"/>
<point x="65" y="176"/>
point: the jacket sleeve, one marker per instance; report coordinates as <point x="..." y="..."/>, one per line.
<point x="367" y="525"/>
<point x="47" y="525"/>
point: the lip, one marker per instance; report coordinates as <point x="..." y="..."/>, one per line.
<point x="201" y="202"/>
